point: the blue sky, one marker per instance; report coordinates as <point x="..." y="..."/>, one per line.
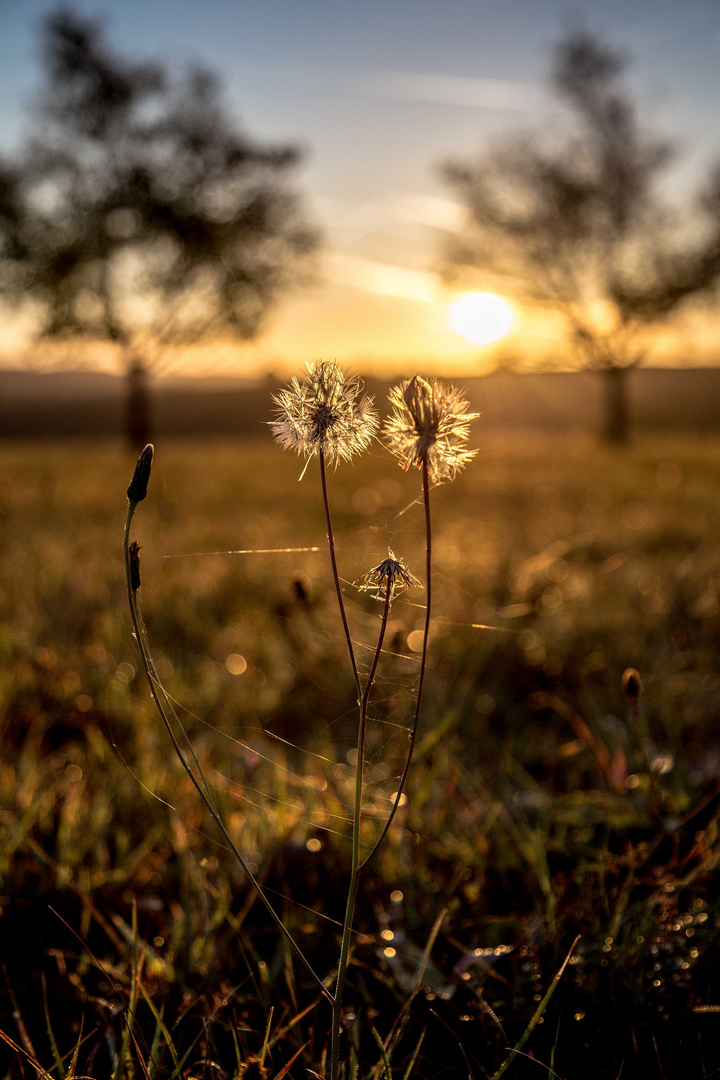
<point x="380" y="93"/>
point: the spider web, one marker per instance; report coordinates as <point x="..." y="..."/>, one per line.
<point x="293" y="765"/>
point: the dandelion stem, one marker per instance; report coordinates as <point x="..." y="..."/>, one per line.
<point x="423" y="665"/>
<point x="336" y="579"/>
<point x="156" y="691"/>
<point x="356" y="868"/>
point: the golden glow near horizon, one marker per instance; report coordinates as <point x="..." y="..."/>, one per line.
<point x="481" y="317"/>
<point x="374" y="317"/>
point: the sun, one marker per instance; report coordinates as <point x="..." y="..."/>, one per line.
<point x="481" y="317"/>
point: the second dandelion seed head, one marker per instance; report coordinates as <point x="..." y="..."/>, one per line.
<point x="389" y="577"/>
<point x="429" y="425"/>
<point x="327" y="413"/>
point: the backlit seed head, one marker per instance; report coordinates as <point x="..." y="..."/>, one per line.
<point x="138" y="486"/>
<point x="429" y="424"/>
<point x="391" y="575"/>
<point x="326" y="413"/>
<point x="252" y="1069"/>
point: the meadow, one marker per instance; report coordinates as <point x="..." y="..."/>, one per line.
<point x="547" y="801"/>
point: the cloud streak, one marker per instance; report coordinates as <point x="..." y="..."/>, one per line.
<point x="350" y="223"/>
<point x="504" y="94"/>
<point x="382" y="278"/>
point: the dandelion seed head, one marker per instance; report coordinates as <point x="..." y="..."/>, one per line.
<point x="429" y="424"/>
<point x="390" y="575"/>
<point x="326" y="413"/>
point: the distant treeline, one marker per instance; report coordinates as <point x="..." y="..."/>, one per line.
<point x="61" y="404"/>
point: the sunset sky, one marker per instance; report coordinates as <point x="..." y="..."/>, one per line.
<point x="380" y="93"/>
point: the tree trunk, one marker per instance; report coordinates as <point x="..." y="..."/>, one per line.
<point x="616" y="421"/>
<point x="138" y="414"/>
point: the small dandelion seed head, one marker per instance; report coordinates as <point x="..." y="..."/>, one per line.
<point x="429" y="424"/>
<point x="326" y="413"/>
<point x="252" y="1069"/>
<point x="390" y="576"/>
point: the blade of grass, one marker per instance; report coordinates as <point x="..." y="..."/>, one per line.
<point x="471" y="1074"/>
<point x="17" y="1016"/>
<point x="548" y="1068"/>
<point x="74" y="1060"/>
<point x="132" y="1005"/>
<point x="140" y="1058"/>
<point x="33" y="1060"/>
<point x="181" y="1064"/>
<point x="398" y="1028"/>
<point x="383" y="1054"/>
<point x="281" y="1032"/>
<point x="161" y="1026"/>
<point x="50" y="1033"/>
<point x="428" y="949"/>
<point x="555" y="1045"/>
<point x="537" y="1014"/>
<point x="286" y="1068"/>
<point x="266" y="1040"/>
<point x="154" y="1056"/>
<point x="413" y="1059"/>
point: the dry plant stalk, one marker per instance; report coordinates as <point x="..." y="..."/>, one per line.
<point x="327" y="416"/>
<point x="428" y="428"/>
<point x="385" y="580"/>
<point x="136" y="492"/>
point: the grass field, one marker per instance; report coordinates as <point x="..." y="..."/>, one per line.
<point x="543" y="803"/>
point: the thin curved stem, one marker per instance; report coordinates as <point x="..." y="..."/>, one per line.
<point x="423" y="665"/>
<point x="156" y="690"/>
<point x="336" y="579"/>
<point x="355" y="865"/>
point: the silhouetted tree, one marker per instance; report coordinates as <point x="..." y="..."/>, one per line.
<point x="574" y="222"/>
<point x="138" y="214"/>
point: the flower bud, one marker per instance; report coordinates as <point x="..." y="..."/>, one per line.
<point x="137" y="490"/>
<point x="632" y="684"/>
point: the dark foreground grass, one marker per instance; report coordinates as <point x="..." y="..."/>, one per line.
<point x="543" y="803"/>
